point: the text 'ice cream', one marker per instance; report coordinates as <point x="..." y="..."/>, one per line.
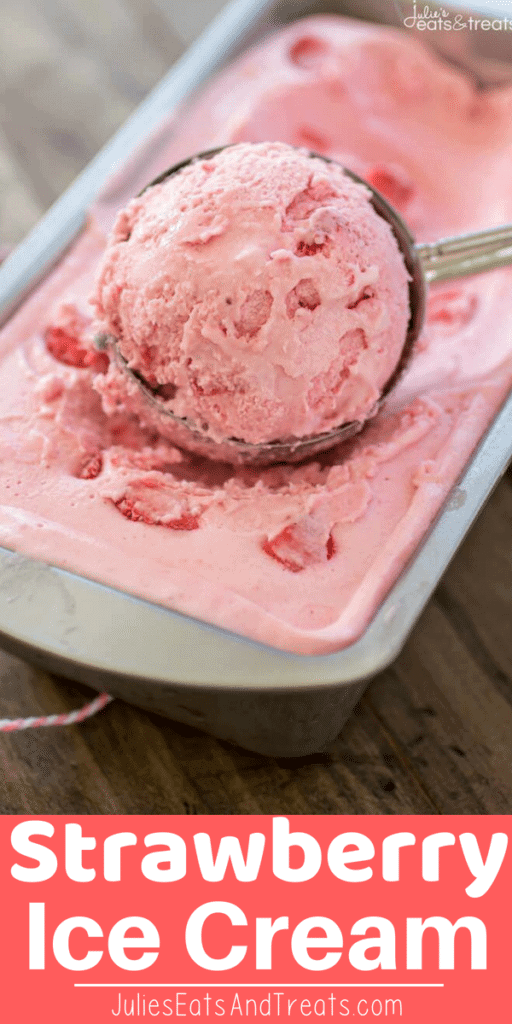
<point x="298" y="557"/>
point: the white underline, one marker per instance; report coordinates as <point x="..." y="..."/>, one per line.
<point x="248" y="984"/>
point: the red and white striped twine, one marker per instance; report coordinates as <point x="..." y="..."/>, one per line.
<point x="67" y="718"/>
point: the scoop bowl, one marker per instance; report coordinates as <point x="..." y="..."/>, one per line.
<point x="425" y="263"/>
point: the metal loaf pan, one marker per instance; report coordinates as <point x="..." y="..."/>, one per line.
<point x="267" y="700"/>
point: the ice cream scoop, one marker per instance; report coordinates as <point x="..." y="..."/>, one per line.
<point x="268" y="381"/>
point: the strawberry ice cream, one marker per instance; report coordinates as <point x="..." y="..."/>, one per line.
<point x="259" y="291"/>
<point x="295" y="557"/>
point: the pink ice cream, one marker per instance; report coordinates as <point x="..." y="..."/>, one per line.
<point x="260" y="291"/>
<point x="296" y="557"/>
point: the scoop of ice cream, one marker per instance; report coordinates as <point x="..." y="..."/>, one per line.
<point x="259" y="291"/>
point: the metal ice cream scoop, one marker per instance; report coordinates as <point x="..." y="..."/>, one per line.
<point x="426" y="263"/>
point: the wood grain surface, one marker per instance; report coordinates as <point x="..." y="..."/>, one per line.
<point x="433" y="734"/>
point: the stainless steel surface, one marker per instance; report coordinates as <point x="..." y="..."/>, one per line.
<point x="262" y="698"/>
<point x="467" y="254"/>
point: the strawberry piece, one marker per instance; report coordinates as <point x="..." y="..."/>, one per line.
<point x="67" y="349"/>
<point x="392" y="183"/>
<point x="129" y="511"/>
<point x="299" y="546"/>
<point x="309" y="248"/>
<point x="186" y="522"/>
<point x="92" y="468"/>
<point x="303" y="296"/>
<point x="453" y="309"/>
<point x="366" y="293"/>
<point x="134" y="511"/>
<point x="330" y="547"/>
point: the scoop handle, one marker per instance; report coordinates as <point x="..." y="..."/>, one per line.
<point x="466" y="254"/>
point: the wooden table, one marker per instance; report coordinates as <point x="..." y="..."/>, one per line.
<point x="433" y="734"/>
